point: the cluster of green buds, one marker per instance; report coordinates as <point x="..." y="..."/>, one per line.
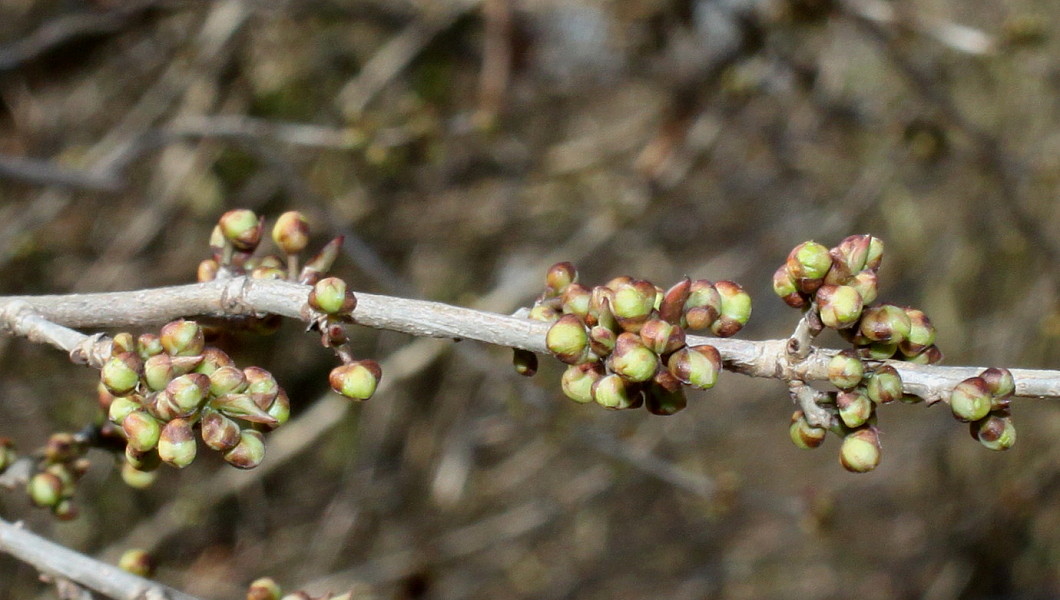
<point x="839" y="286"/>
<point x="625" y="342"/>
<point x="983" y="402"/>
<point x="158" y="389"/>
<point x="61" y="465"/>
<point x="266" y="588"/>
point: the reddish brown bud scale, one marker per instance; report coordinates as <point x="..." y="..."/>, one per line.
<point x="673" y="301"/>
<point x="320" y="264"/>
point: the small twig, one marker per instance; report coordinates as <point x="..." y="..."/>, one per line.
<point x="43" y="172"/>
<point x="801" y="341"/>
<point x="809" y="400"/>
<point x="59" y="562"/>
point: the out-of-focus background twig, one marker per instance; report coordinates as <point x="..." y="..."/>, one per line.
<point x="462" y="147"/>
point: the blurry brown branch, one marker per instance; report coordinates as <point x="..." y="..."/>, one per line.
<point x="54" y="560"/>
<point x="243" y="296"/>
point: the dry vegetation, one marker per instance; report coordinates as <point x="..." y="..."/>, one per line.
<point x="464" y="146"/>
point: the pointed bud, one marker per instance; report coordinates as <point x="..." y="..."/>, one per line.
<point x="291" y="232"/>
<point x="845" y="370"/>
<point x="665" y="396"/>
<point x="577" y="381"/>
<point x="207" y="270"/>
<point x="121" y="373"/>
<point x="697" y="366"/>
<point x="218" y="244"/>
<point x="321" y="263"/>
<point x="633" y="304"/>
<point x="610" y="391"/>
<point x="559" y="276"/>
<point x="860" y="452"/>
<point x="218" y="431"/>
<point x="784" y="287"/>
<point x="568" y="340"/>
<point x="602" y="341"/>
<point x="632" y="359"/>
<point x="1000" y="383"/>
<point x="227" y="380"/>
<point x="45" y="489"/>
<point x="662" y="337"/>
<point x="176" y="445"/>
<point x="138" y="562"/>
<point x="735" y="309"/>
<point x="122" y="342"/>
<point x="243" y="407"/>
<point x="672" y="306"/>
<point x="280" y="409"/>
<point x="853" y="252"/>
<point x="970" y="400"/>
<point x="855" y="407"/>
<point x="808" y="263"/>
<point x="261" y="386"/>
<point x="867" y="285"/>
<point x="187" y="393"/>
<point x="136" y="478"/>
<point x="263" y="589"/>
<point x="601" y="299"/>
<point x="704" y="305"/>
<point x="249" y="452"/>
<point x="141" y="430"/>
<point x="875" y="254"/>
<point x="885" y="323"/>
<point x="576" y="299"/>
<point x="330" y="296"/>
<point x="213" y="359"/>
<point x="182" y="338"/>
<point x="884" y="385"/>
<point x="525" y="362"/>
<point x="242" y="228"/>
<point x="804" y="435"/>
<point x="356" y="380"/>
<point x="995" y="432"/>
<point x="839" y="305"/>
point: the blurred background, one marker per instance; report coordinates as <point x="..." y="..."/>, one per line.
<point x="462" y="147"/>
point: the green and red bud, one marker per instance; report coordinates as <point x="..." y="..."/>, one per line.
<point x="207" y="270"/>
<point x="611" y="391"/>
<point x="808" y="263"/>
<point x="138" y="562"/>
<point x="45" y="489"/>
<point x="249" y="452"/>
<point x="182" y="338"/>
<point x="291" y="232"/>
<point x="576" y="298"/>
<point x="121" y="406"/>
<point x="995" y="432"/>
<point x="633" y="304"/>
<point x="142" y="461"/>
<point x="970" y="400"/>
<point x="860" y="452"/>
<point x="525" y="362"/>
<point x="884" y="385"/>
<point x="803" y="434"/>
<point x="602" y="341"/>
<point x="141" y="430"/>
<point x="845" y="370"/>
<point x="704" y="304"/>
<point x="631" y="359"/>
<point x="852" y="252"/>
<point x="264" y="589"/>
<point x="855" y="407"/>
<point x="321" y="263"/>
<point x="735" y="309"/>
<point x="136" y="478"/>
<point x="784" y="287"/>
<point x="218" y="431"/>
<point x="875" y="254"/>
<point x="357" y="380"/>
<point x="672" y="306"/>
<point x="665" y="396"/>
<point x="213" y="359"/>
<point x="227" y="379"/>
<point x="243" y="407"/>
<point x="176" y="444"/>
<point x="838" y="305"/>
<point x="558" y="277"/>
<point x="121" y="373"/>
<point x="330" y="296"/>
<point x="280" y="409"/>
<point x="662" y="337"/>
<point x="1000" y="383"/>
<point x="867" y="285"/>
<point x="921" y="333"/>
<point x="568" y="340"/>
<point x="261" y="386"/>
<point x="148" y="345"/>
<point x="577" y="381"/>
<point x="885" y="323"/>
<point x="242" y="228"/>
<point x="697" y="366"/>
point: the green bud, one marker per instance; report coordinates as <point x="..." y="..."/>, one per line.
<point x="885" y="323"/>
<point x="853" y="252"/>
<point x="611" y="391"/>
<point x="227" y="380"/>
<point x="207" y="270"/>
<point x="121" y="373"/>
<point x="291" y="232"/>
<point x="176" y="445"/>
<point x="845" y="370"/>
<point x="213" y="359"/>
<point x="1000" y="383"/>
<point x="839" y="305"/>
<point x="122" y="342"/>
<point x="867" y="285"/>
<point x="136" y="478"/>
<point x="704" y="305"/>
<point x="735" y="309"/>
<point x="45" y="489"/>
<point x="183" y="396"/>
<point x="665" y="396"/>
<point x="632" y="359"/>
<point x="249" y="452"/>
<point x="633" y="304"/>
<point x="242" y="406"/>
<point x="662" y="337"/>
<point x="7" y="453"/>
<point x="576" y="299"/>
<point x="784" y="287"/>
<point x="142" y="461"/>
<point x="884" y="385"/>
<point x="160" y="369"/>
<point x="970" y="400"/>
<point x="261" y="386"/>
<point x="808" y="263"/>
<point x="218" y="431"/>
<point x="321" y="263"/>
<point x="121" y="407"/>
<point x="855" y="407"/>
<point x="280" y="409"/>
<point x="577" y="382"/>
<point x="330" y="296"/>
<point x="672" y="306"/>
<point x="804" y="435"/>
<point x="875" y="254"/>
<point x="543" y="313"/>
<point x="602" y="341"/>
<point x="559" y="276"/>
<point x="148" y="345"/>
<point x="263" y="589"/>
<point x="182" y="338"/>
<point x="242" y="228"/>
<point x="601" y="301"/>
<point x="525" y="362"/>
<point x="65" y="510"/>
<point x="697" y="366"/>
<point x="860" y="452"/>
<point x="356" y="380"/>
<point x="995" y="432"/>
<point x="921" y="333"/>
<point x="141" y="430"/>
<point x="568" y="340"/>
<point x="138" y="562"/>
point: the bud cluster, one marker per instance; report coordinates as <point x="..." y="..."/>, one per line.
<point x="157" y="390"/>
<point x="983" y="402"/>
<point x="624" y="341"/>
<point x="54" y="482"/>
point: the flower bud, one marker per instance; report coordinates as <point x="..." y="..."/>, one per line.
<point x="122" y="342"/>
<point x="242" y="228"/>
<point x="280" y="409"/>
<point x="321" y="263"/>
<point x="261" y="386"/>
<point x="921" y="333"/>
<point x="867" y="285"/>
<point x="273" y="273"/>
<point x="662" y="337"/>
<point x="601" y="301"/>
<point x="525" y="362"/>
<point x="611" y="391"/>
<point x="45" y="489"/>
<point x="142" y="461"/>
<point x="182" y="338"/>
<point x="263" y="589"/>
<point x="885" y="323"/>
<point x="804" y="435"/>
<point x="931" y="355"/>
<point x="138" y="562"/>
<point x="845" y="370"/>
<point x="970" y="400"/>
<point x="577" y="381"/>
<point x="148" y="345"/>
<point x="576" y="299"/>
<point x="207" y="270"/>
<point x="136" y="478"/>
<point x="665" y="396"/>
<point x="62" y="447"/>
<point x="697" y="366"/>
<point x="672" y="306"/>
<point x="735" y="309"/>
<point x="65" y="510"/>
<point x="884" y="385"/>
<point x="808" y="263"/>
<point x="213" y="359"/>
<point x="703" y="306"/>
<point x="855" y="407"/>
<point x="291" y="232"/>
<point x="784" y="287"/>
<point x="999" y="382"/>
<point x="218" y="431"/>
<point x="853" y="252"/>
<point x="860" y="452"/>
<point x="875" y="254"/>
<point x="249" y="452"/>
<point x="176" y="445"/>
<point x="602" y="341"/>
<point x="187" y="394"/>
<point x="356" y="380"/>
<point x="995" y="432"/>
<point x="558" y="277"/>
<point x="242" y="406"/>
<point x="633" y="303"/>
<point x="839" y="305"/>
<point x="160" y="369"/>
<point x="121" y="373"/>
<point x="330" y="296"/>
<point x="568" y="340"/>
<point x="121" y="407"/>
<point x="141" y="430"/>
<point x="632" y="359"/>
<point x="227" y="380"/>
<point x="543" y="313"/>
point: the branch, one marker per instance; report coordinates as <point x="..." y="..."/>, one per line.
<point x="57" y="561"/>
<point x="242" y="296"/>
